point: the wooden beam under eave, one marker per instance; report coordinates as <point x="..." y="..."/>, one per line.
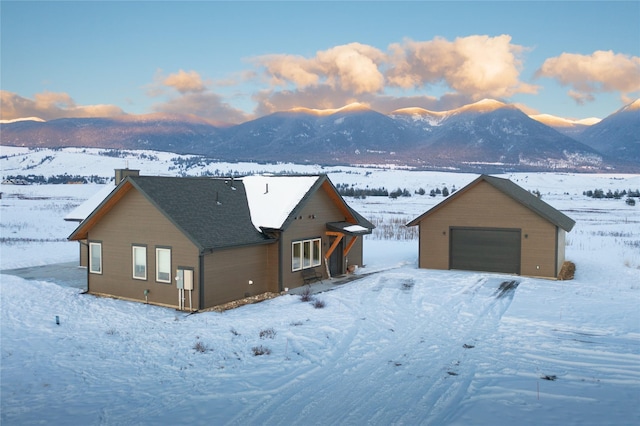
<point x="338" y="236"/>
<point x="349" y="245"/>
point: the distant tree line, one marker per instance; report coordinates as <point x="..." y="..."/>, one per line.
<point x="347" y="190"/>
<point x="117" y="153"/>
<point x="57" y="179"/>
<point x="599" y="193"/>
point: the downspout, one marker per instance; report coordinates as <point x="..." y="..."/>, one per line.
<point x="86" y="245"/>
<point x="201" y="281"/>
<point x="420" y="245"/>
<point x="280" y="264"/>
<point x="555" y="266"/>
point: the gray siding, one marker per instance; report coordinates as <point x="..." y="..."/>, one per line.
<point x="311" y="222"/>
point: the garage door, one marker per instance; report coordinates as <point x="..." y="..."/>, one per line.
<point x="482" y="249"/>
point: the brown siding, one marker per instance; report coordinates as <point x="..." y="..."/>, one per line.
<point x="311" y="222"/>
<point x="227" y="274"/>
<point x="485" y="206"/>
<point x="134" y="220"/>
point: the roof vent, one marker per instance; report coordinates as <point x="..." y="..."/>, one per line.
<point x="218" y="202"/>
<point x="266" y="189"/>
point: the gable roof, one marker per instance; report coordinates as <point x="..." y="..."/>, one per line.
<point x="274" y="201"/>
<point x="517" y="193"/>
<point x="212" y="213"/>
<point x="81" y="212"/>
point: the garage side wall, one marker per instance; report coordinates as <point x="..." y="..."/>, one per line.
<point x="483" y="206"/>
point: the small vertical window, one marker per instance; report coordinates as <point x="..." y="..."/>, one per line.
<point x="163" y="265"/>
<point x="296" y="257"/>
<point x="316" y="252"/>
<point x="306" y="261"/>
<point x="139" y="262"/>
<point x="95" y="258"/>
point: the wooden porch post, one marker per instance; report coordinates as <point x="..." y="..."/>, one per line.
<point x="349" y="245"/>
<point x="338" y="236"/>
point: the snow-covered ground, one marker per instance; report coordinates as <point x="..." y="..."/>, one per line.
<point x="398" y="346"/>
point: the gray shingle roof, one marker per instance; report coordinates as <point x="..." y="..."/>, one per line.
<point x="518" y="194"/>
<point x="531" y="201"/>
<point x="213" y="213"/>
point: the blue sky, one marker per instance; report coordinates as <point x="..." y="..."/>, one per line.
<point x="233" y="61"/>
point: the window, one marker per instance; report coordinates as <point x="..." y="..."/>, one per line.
<point x="139" y="255"/>
<point x="163" y="265"/>
<point x="95" y="258"/>
<point x="305" y="254"/>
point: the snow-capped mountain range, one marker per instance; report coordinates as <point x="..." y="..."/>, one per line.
<point x="485" y="136"/>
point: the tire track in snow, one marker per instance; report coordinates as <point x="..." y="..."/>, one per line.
<point x="379" y="371"/>
<point x="479" y="308"/>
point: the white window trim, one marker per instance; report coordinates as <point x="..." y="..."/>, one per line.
<point x="158" y="251"/>
<point x="312" y="259"/>
<point x="91" y="263"/>
<point x="133" y="261"/>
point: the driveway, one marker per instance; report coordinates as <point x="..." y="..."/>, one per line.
<point x="65" y="274"/>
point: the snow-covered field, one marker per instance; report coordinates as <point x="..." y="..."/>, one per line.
<point x="398" y="346"/>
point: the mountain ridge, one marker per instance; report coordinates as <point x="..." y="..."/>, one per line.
<point x="483" y="136"/>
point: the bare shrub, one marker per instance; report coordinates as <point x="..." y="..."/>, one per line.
<point x="306" y="295"/>
<point x="268" y="333"/>
<point x="260" y="350"/>
<point x="200" y="347"/>
<point x="393" y="228"/>
<point x="318" y="304"/>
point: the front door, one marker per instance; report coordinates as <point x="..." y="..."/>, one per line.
<point x="336" y="258"/>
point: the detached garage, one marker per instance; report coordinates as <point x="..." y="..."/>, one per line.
<point x="493" y="225"/>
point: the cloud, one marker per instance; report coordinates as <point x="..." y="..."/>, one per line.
<point x="325" y="97"/>
<point x="205" y="104"/>
<point x="474" y="68"/>
<point x="318" y="97"/>
<point x="185" y="82"/>
<point x="477" y="66"/>
<point x="602" y="71"/>
<point x="352" y="68"/>
<point x="50" y="106"/>
<point x="188" y="93"/>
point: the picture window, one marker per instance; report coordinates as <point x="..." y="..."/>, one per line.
<point x="306" y="254"/>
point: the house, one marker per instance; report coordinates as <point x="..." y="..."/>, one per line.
<point x="81" y="212"/>
<point x="194" y="243"/>
<point x="493" y="225"/>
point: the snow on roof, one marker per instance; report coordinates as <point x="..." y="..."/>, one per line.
<point x="356" y="228"/>
<point x="81" y="212"/>
<point x="272" y="198"/>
